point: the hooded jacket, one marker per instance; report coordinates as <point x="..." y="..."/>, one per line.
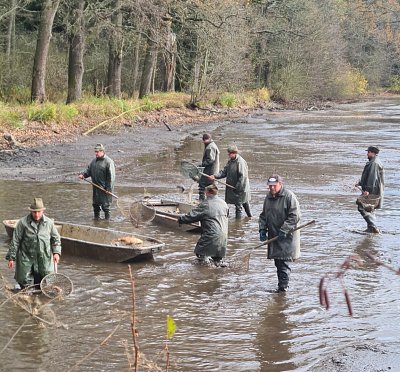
<point x="237" y="175"/>
<point x="372" y="179"/>
<point x="213" y="216"/>
<point x="33" y="245"/>
<point x="281" y="213"/>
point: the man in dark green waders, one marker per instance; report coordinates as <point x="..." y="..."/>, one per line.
<point x="102" y="172"/>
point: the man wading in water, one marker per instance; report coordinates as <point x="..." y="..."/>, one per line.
<point x="102" y="171"/>
<point x="372" y="182"/>
<point x="213" y="216"/>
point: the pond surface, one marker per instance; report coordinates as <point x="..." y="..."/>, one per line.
<point x="228" y="320"/>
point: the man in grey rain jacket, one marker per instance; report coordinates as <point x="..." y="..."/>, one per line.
<point x="102" y="171"/>
<point x="35" y="246"/>
<point x="237" y="175"/>
<point x="372" y="182"/>
<point x="213" y="216"/>
<point x="280" y="214"/>
<point x="210" y="162"/>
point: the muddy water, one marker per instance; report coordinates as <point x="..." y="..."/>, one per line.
<point x="228" y="320"/>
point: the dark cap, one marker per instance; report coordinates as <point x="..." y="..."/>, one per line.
<point x="206" y="136"/>
<point x="374" y="149"/>
<point x="274" y="179"/>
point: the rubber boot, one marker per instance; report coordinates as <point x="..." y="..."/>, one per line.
<point x="96" y="214"/>
<point x="107" y="215"/>
<point x="246" y="207"/>
<point x="238" y="211"/>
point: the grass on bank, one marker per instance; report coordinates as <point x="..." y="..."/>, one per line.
<point x="97" y="109"/>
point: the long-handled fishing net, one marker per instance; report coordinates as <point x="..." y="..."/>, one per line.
<point x="239" y="262"/>
<point x="138" y="211"/>
<point x="188" y="169"/>
<point x="56" y="285"/>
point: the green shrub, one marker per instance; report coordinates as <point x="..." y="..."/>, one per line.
<point x="9" y="117"/>
<point x="227" y="100"/>
<point x="46" y="112"/>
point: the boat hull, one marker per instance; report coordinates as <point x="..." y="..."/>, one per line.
<point x="101" y="244"/>
<point x="167" y="213"/>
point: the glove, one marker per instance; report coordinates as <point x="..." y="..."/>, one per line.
<point x="263" y="235"/>
<point x="282" y="235"/>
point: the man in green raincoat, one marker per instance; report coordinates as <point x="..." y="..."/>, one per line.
<point x="213" y="216"/>
<point x="280" y="214"/>
<point x="210" y="162"/>
<point x="102" y="171"/>
<point x="35" y="246"/>
<point x="237" y="175"/>
<point x="372" y="182"/>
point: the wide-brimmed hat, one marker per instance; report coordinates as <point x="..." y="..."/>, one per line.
<point x="274" y="179"/>
<point x="99" y="147"/>
<point x="37" y="205"/>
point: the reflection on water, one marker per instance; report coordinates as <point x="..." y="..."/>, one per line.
<point x="228" y="321"/>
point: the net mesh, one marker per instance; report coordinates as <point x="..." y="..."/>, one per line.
<point x="239" y="263"/>
<point x="137" y="211"/>
<point x="141" y="212"/>
<point x="56" y="285"/>
<point x="369" y="201"/>
<point x="189" y="170"/>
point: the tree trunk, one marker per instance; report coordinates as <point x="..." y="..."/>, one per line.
<point x="136" y="64"/>
<point x="148" y="67"/>
<point x="115" y="53"/>
<point x="48" y="12"/>
<point x="76" y="51"/>
<point x="11" y="30"/>
<point x="169" y="60"/>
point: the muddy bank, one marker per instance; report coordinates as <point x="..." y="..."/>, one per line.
<point x="61" y="160"/>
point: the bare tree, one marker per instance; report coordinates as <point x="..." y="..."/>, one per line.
<point x="47" y="14"/>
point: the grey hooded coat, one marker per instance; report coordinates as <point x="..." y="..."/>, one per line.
<point x="213" y="216"/>
<point x="237" y="175"/>
<point x="281" y="213"/>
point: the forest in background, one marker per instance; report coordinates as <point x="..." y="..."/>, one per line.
<point x="69" y="50"/>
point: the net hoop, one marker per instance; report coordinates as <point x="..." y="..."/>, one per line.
<point x="56" y="285"/>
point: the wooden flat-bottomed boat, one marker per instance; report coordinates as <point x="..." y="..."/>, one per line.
<point x="101" y="244"/>
<point x="168" y="211"/>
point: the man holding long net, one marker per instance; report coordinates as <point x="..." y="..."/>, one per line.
<point x="213" y="216"/>
<point x="210" y="162"/>
<point x="102" y="172"/>
<point x="280" y="215"/>
<point x="237" y="175"/>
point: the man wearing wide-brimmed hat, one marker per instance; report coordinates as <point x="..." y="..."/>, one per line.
<point x="35" y="246"/>
<point x="371" y="183"/>
<point x="102" y="172"/>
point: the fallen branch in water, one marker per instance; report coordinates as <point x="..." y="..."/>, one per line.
<point x="349" y="262"/>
